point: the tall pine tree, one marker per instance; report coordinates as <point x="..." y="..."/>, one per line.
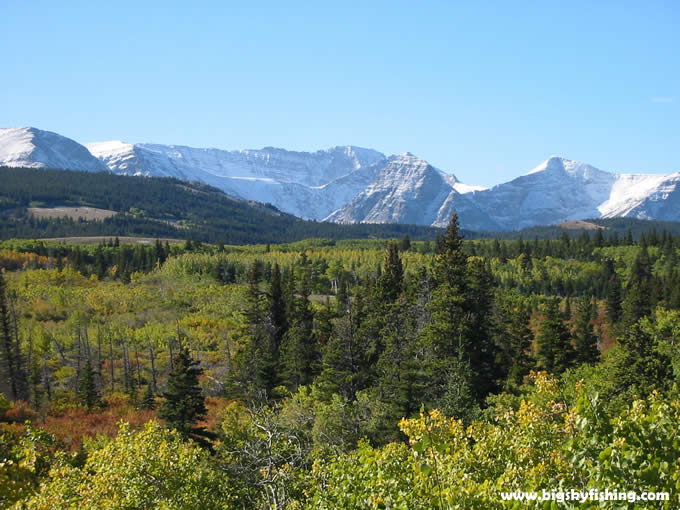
<point x="585" y="340"/>
<point x="554" y="352"/>
<point x="184" y="403"/>
<point x="14" y="381"/>
<point x="88" y="393"/>
<point x="447" y="333"/>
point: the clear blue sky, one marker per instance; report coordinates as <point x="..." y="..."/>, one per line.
<point x="486" y="90"/>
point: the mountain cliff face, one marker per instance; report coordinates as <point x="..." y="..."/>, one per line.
<point x="555" y="191"/>
<point x="559" y="190"/>
<point x="406" y="190"/>
<point x="352" y="184"/>
<point x="309" y="185"/>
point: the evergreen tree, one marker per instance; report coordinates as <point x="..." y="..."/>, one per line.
<point x="481" y="351"/>
<point x="346" y="363"/>
<point x="184" y="402"/>
<point x="299" y="356"/>
<point x="398" y="370"/>
<point x="448" y="330"/>
<point x="88" y="394"/>
<point x="613" y="304"/>
<point x="148" y="400"/>
<point x="14" y="381"/>
<point x="277" y="307"/>
<point x="554" y="352"/>
<point x="255" y="365"/>
<point x="459" y="399"/>
<point x="510" y="323"/>
<point x="405" y="243"/>
<point x="389" y="285"/>
<point x="35" y="380"/>
<point x="585" y="340"/>
<point x="640" y="367"/>
<point x="99" y="262"/>
<point x="638" y="301"/>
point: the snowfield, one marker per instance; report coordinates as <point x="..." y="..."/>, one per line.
<point x="352" y="184"/>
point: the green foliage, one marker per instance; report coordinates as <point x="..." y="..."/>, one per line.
<point x="319" y="348"/>
<point x="24" y="460"/>
<point x="152" y="468"/>
<point x="542" y="444"/>
<point x="585" y="340"/>
<point x="148" y="400"/>
<point x="88" y="393"/>
<point x="184" y="402"/>
<point x="171" y="209"/>
<point x="262" y="449"/>
<point x="554" y="351"/>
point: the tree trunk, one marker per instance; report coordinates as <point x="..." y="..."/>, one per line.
<point x="113" y="387"/>
<point x="153" y="367"/>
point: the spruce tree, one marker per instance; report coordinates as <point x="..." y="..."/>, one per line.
<point x="510" y="323"/>
<point x="148" y="401"/>
<point x="299" y="354"/>
<point x="14" y="380"/>
<point x="88" y="394"/>
<point x="99" y="262"/>
<point x="638" y="301"/>
<point x="35" y="379"/>
<point x="389" y="285"/>
<point x="554" y="352"/>
<point x="585" y="340"/>
<point x="640" y="367"/>
<point x="481" y="352"/>
<point x="184" y="403"/>
<point x="346" y="363"/>
<point x="459" y="399"/>
<point x="256" y="363"/>
<point x="405" y="243"/>
<point x="613" y="304"/>
<point x="447" y="332"/>
<point x="277" y="307"/>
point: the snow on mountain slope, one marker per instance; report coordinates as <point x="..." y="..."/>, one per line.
<point x="351" y="184"/>
<point x="406" y="190"/>
<point x="31" y="147"/>
<point x="555" y="191"/>
<point x="311" y="169"/>
<point x="630" y="191"/>
<point x="309" y="185"/>
<point x="459" y="186"/>
<point x="662" y="201"/>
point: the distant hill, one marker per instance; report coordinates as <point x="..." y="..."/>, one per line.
<point x="30" y="200"/>
<point x="608" y="226"/>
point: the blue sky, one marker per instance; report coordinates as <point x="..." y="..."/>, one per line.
<point x="486" y="90"/>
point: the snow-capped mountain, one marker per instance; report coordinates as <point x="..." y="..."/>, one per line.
<point x="560" y="189"/>
<point x="352" y="184"/>
<point x="31" y="147"/>
<point x="309" y="185"/>
<point x="556" y="190"/>
<point x="407" y="190"/>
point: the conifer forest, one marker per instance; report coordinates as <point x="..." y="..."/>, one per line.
<point x="339" y="374"/>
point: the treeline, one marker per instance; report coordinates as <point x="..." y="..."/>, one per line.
<point x="611" y="226"/>
<point x="458" y="324"/>
<point x="159" y="207"/>
<point x="340" y="364"/>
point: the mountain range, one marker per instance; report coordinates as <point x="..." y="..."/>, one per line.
<point x="352" y="184"/>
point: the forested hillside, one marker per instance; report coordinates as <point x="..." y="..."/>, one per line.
<point x="158" y="207"/>
<point x="339" y="374"/>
